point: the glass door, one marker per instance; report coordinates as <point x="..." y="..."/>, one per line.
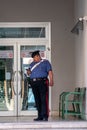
<point x="7" y="80"/>
<point x="25" y="94"/>
<point x="17" y="42"/>
<point x="16" y="96"/>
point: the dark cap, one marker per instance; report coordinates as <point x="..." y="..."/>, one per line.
<point x="27" y="68"/>
<point x="35" y="53"/>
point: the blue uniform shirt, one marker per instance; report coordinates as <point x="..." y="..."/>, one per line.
<point x="40" y="70"/>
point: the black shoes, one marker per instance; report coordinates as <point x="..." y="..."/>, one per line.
<point x="38" y="119"/>
<point x="45" y="119"/>
<point x="41" y="119"/>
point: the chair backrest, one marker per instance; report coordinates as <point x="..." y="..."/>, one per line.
<point x="76" y="96"/>
<point x="82" y="91"/>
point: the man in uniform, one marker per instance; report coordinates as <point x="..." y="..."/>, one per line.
<point x="40" y="70"/>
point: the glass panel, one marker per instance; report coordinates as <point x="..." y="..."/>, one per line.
<point x="27" y="50"/>
<point x="31" y="32"/>
<point x="28" y="102"/>
<point x="6" y="71"/>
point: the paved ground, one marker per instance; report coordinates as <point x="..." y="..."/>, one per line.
<point x="54" y="123"/>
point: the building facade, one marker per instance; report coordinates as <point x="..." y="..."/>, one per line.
<point x="62" y="47"/>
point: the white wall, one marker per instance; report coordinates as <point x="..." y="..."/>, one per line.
<point x="81" y="47"/>
<point x="61" y="14"/>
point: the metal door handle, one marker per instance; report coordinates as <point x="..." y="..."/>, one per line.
<point x="14" y="90"/>
<point x="13" y="75"/>
<point x="21" y="79"/>
<point x="20" y="73"/>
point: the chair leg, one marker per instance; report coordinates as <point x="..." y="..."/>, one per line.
<point x="66" y="110"/>
<point x="59" y="108"/>
<point x="63" y="110"/>
<point x="74" y="109"/>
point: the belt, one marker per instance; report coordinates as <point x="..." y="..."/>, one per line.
<point x="39" y="79"/>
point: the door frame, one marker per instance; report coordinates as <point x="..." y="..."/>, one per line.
<point x="27" y="41"/>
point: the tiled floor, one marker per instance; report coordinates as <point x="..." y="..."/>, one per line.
<point x="24" y="119"/>
<point x="27" y="119"/>
<point x="54" y="123"/>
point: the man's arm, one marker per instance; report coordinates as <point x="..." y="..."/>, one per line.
<point x="51" y="82"/>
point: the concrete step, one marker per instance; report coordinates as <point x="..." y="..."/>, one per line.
<point x="58" y="125"/>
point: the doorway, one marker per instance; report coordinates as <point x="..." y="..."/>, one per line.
<point x="15" y="93"/>
<point x="16" y="96"/>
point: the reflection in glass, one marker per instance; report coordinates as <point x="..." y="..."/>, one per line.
<point x="6" y="71"/>
<point x="28" y="102"/>
<point x="28" y="32"/>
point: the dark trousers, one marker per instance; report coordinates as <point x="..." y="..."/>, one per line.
<point x="40" y="91"/>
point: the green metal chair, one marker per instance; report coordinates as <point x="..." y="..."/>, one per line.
<point x="62" y="98"/>
<point x="77" y="103"/>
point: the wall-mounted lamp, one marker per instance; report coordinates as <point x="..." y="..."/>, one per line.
<point x="78" y="26"/>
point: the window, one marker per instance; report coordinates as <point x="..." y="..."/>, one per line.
<point x="22" y="32"/>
